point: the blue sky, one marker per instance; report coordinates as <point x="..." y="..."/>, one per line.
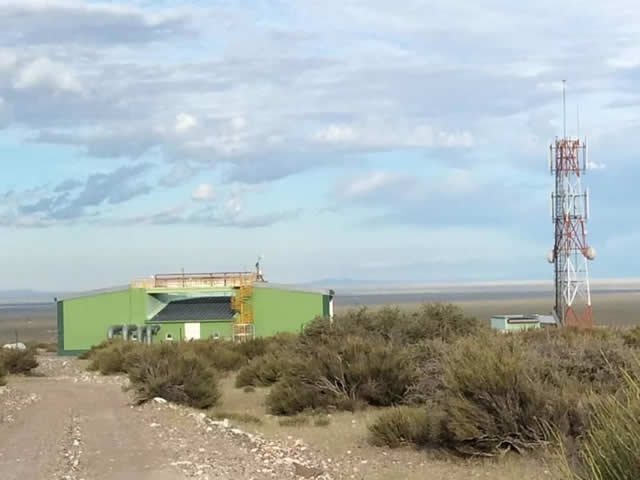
<point x="373" y="140"/>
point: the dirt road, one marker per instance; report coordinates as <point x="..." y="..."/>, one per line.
<point x="75" y="427"/>
<point x="80" y="430"/>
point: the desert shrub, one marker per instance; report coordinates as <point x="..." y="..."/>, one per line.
<point x="167" y="371"/>
<point x="322" y="421"/>
<point x="237" y="417"/>
<point x="89" y="354"/>
<point x="495" y="400"/>
<point x="219" y="354"/>
<point x="435" y="320"/>
<point x="631" y="337"/>
<point x="592" y="360"/>
<point x="344" y="373"/>
<point x="428" y="358"/>
<point x="443" y="321"/>
<point x="266" y="370"/>
<point x="111" y="357"/>
<point x="295" y="421"/>
<point x="3" y="374"/>
<point x="249" y="389"/>
<point x="289" y="397"/>
<point x="251" y="348"/>
<point x="18" y="361"/>
<point x="609" y="448"/>
<point x="405" y="425"/>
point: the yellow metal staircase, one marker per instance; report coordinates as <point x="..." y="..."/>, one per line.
<point x="242" y="327"/>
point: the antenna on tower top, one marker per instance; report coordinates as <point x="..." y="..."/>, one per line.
<point x="578" y="119"/>
<point x="564" y="107"/>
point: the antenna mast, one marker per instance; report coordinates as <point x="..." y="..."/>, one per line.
<point x="564" y="108"/>
<point x="569" y="213"/>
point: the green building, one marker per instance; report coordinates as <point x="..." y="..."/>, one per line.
<point x="231" y="306"/>
<point x="517" y="322"/>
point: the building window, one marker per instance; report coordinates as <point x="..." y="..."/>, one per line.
<point x="168" y="337"/>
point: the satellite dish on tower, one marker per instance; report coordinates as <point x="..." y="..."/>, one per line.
<point x="551" y="256"/>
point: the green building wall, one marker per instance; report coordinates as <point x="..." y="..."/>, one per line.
<point x="501" y="323"/>
<point x="207" y="330"/>
<point x="276" y="310"/>
<point x="84" y="321"/>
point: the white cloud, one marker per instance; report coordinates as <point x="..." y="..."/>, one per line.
<point x="42" y="72"/>
<point x="8" y="59"/>
<point x="68" y="21"/>
<point x="596" y="166"/>
<point x="390" y="134"/>
<point x="185" y="122"/>
<point x="5" y="113"/>
<point x="238" y="123"/>
<point x="233" y="206"/>
<point x="204" y="191"/>
<point x="370" y="182"/>
<point x="458" y="181"/>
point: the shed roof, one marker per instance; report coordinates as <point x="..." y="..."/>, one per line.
<point x="294" y="288"/>
<point x="202" y="308"/>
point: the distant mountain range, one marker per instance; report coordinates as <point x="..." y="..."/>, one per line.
<point x="28" y="296"/>
<point x="347" y="286"/>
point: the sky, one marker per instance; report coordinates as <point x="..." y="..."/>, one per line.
<point x="344" y="139"/>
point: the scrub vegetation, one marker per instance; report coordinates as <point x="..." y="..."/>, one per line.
<point x="16" y="361"/>
<point x="441" y="380"/>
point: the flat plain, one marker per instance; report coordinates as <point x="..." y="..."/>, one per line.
<point x="37" y="322"/>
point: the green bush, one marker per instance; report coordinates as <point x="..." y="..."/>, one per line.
<point x="442" y="321"/>
<point x="266" y="370"/>
<point x="289" y="397"/>
<point x="18" y="361"/>
<point x="432" y="321"/>
<point x="344" y="373"/>
<point x="592" y="360"/>
<point x="428" y="358"/>
<point x="610" y="446"/>
<point x="631" y="337"/>
<point x="219" y="354"/>
<point x="111" y="357"/>
<point x="496" y="401"/>
<point x="405" y="425"/>
<point x="89" y="354"/>
<point x="177" y="376"/>
<point x="251" y="348"/>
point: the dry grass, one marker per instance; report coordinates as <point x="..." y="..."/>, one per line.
<point x="609" y="448"/>
<point x="235" y="417"/>
<point x="295" y="421"/>
<point x="345" y="442"/>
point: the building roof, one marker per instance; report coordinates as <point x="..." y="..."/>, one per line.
<point x="200" y="289"/>
<point x="89" y="293"/>
<point x="203" y="308"/>
<point x="294" y="288"/>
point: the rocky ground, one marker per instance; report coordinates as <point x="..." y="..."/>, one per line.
<point x="66" y="423"/>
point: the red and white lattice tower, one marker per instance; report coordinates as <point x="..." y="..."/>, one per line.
<point x="571" y="252"/>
